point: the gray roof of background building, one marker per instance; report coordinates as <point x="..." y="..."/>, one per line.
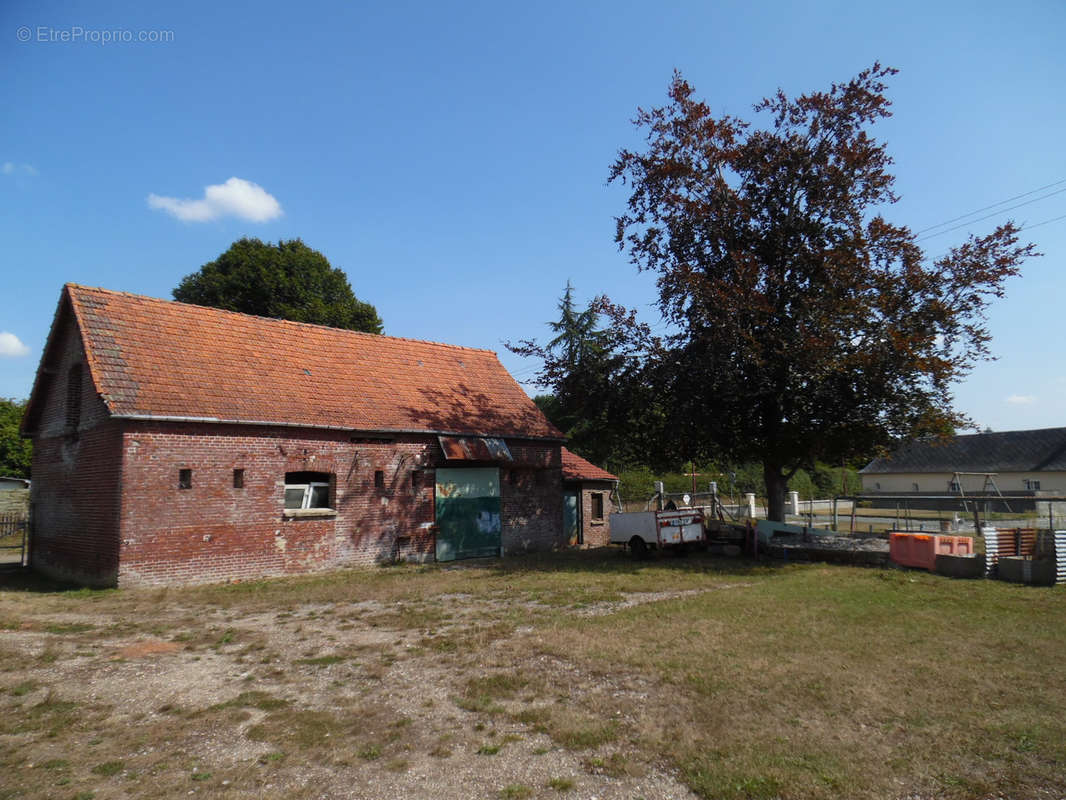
<point x="1041" y="450"/>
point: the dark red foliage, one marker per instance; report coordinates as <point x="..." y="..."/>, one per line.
<point x="810" y="326"/>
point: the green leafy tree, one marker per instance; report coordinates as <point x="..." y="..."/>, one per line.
<point x="15" y="452"/>
<point x="592" y="373"/>
<point x="810" y="327"/>
<point x="288" y="280"/>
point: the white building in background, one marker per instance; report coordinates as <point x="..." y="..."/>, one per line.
<point x="1024" y="462"/>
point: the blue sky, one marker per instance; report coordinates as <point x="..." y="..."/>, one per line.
<point x="452" y="158"/>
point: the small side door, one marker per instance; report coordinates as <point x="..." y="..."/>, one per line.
<point x="572" y="518"/>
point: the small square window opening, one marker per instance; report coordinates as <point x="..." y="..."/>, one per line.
<point x="238" y="479"/>
<point x="184" y="478"/>
<point x="307" y="490"/>
<point x="597" y="506"/>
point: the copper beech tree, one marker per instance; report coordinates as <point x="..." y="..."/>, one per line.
<point x="808" y="325"/>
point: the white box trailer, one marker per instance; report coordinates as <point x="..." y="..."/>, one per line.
<point x="642" y="530"/>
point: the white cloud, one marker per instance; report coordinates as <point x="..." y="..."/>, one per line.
<point x="234" y="198"/>
<point x="1021" y="399"/>
<point x="11" y="346"/>
<point x="11" y="168"/>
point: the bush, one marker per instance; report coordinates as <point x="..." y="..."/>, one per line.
<point x="637" y="485"/>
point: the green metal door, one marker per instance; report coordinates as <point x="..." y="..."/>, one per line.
<point x="468" y="513"/>
<point x="571" y="520"/>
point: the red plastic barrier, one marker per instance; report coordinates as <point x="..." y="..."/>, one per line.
<point x="920" y="550"/>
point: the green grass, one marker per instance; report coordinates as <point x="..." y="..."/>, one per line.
<point x="516" y="791"/>
<point x="834" y="659"/>
<point x="69" y="627"/>
<point x="747" y="681"/>
<point x="264" y="701"/>
<point x="370" y="752"/>
<point x="320" y="661"/>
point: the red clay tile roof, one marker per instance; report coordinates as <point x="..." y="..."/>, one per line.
<point x="157" y="358"/>
<point x="575" y="468"/>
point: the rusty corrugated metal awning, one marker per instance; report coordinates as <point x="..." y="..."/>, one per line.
<point x="474" y="448"/>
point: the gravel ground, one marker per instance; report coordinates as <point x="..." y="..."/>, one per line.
<point x="162" y="706"/>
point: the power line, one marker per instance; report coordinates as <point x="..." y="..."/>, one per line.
<point x="1020" y="230"/>
<point x="985" y="208"/>
<point x="989" y="216"/>
<point x="1045" y="222"/>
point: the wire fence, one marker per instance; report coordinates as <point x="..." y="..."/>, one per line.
<point x="13" y="530"/>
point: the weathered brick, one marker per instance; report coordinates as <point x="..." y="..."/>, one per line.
<point x="107" y="506"/>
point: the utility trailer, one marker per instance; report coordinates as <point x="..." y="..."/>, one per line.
<point x="643" y="530"/>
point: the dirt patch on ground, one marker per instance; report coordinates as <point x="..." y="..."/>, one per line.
<point x="150" y="647"/>
<point x="445" y="697"/>
<point x="641" y="598"/>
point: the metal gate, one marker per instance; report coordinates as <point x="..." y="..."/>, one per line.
<point x="468" y="513"/>
<point x="13" y="530"/>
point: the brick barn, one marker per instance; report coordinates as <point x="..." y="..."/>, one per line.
<point x="587" y="498"/>
<point x="179" y="444"/>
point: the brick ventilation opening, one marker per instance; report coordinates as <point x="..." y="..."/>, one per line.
<point x="379" y="480"/>
<point x="238" y="479"/>
<point x="184" y="478"/>
<point x="74" y="396"/>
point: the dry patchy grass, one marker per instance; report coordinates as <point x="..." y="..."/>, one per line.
<point x="498" y="679"/>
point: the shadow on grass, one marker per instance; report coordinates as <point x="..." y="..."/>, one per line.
<point x="615" y="561"/>
<point x="598" y="561"/>
<point x="24" y="579"/>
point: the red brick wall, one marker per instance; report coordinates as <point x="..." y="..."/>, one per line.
<point x="531" y="499"/>
<point x="74" y="495"/>
<point x="214" y="531"/>
<point x="597" y="533"/>
<point x="107" y="507"/>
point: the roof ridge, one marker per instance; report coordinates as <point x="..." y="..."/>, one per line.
<point x="157" y="359"/>
<point x="568" y="455"/>
<point x="1004" y="433"/>
<point x="78" y="286"/>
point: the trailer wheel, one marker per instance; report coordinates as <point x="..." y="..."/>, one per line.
<point x="638" y="547"/>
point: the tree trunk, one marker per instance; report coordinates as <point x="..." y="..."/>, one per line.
<point x="776" y="486"/>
